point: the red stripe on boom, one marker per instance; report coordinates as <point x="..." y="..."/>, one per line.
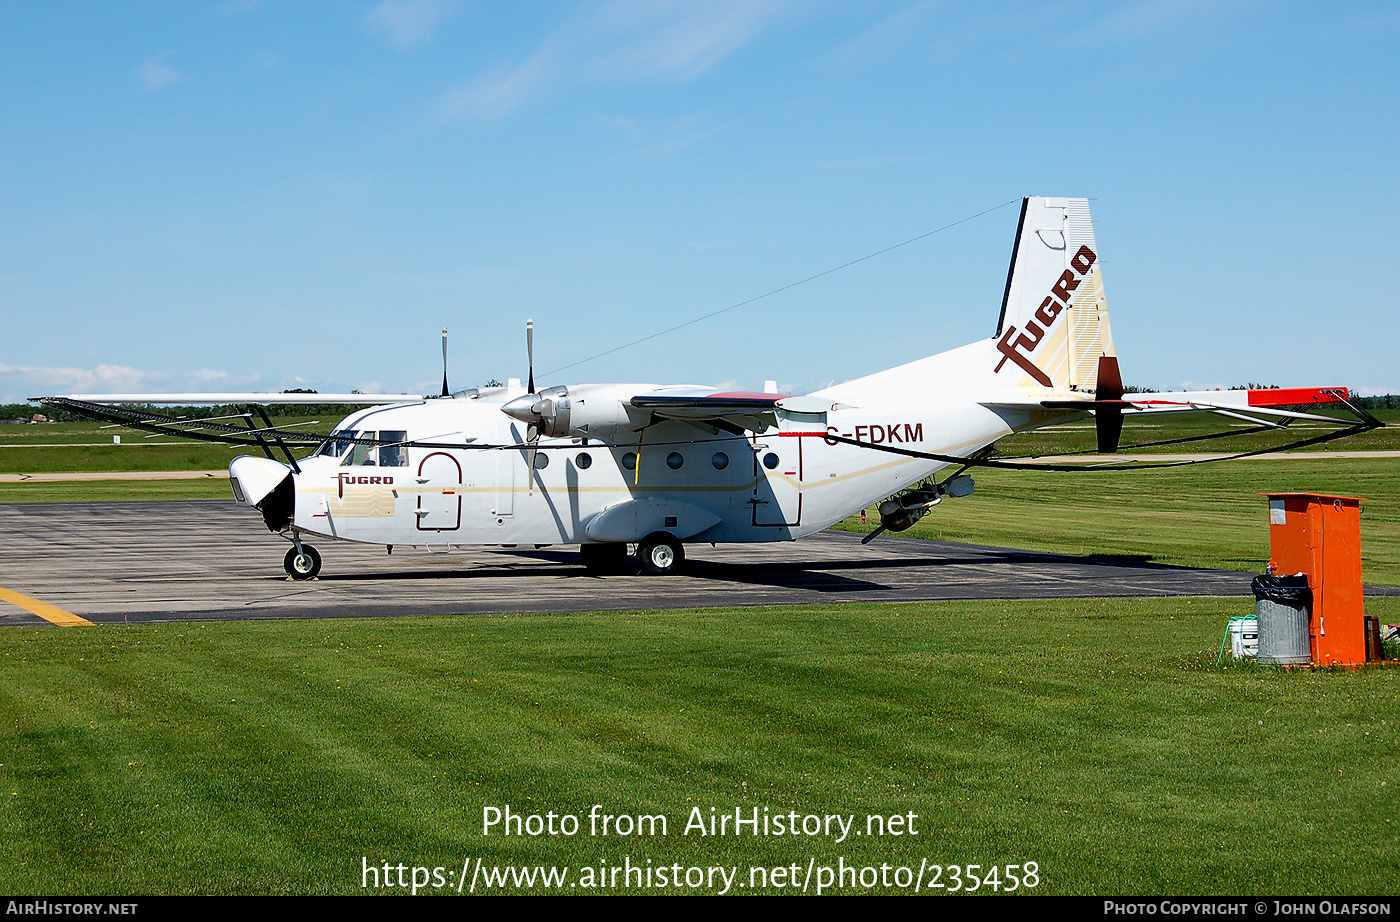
<point x="1289" y="396"/>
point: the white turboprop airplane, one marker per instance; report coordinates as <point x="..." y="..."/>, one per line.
<point x="606" y="466"/>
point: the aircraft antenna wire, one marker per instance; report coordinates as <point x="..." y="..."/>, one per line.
<point x="766" y="294"/>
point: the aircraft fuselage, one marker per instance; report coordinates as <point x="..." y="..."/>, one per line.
<point x="673" y="476"/>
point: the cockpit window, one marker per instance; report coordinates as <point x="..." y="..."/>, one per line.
<point x="335" y="447"/>
<point x="361" y="455"/>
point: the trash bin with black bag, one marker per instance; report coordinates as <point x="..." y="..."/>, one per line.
<point x="1283" y="605"/>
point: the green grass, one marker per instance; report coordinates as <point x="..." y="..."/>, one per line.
<point x="79" y="447"/>
<point x="166" y="456"/>
<point x="112" y="491"/>
<point x="1096" y="738"/>
<point x="1205" y="515"/>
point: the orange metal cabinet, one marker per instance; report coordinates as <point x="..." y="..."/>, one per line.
<point x="1321" y="537"/>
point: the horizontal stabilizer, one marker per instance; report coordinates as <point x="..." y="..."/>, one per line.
<point x="1243" y="399"/>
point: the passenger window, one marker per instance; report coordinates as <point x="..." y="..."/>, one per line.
<point x="395" y="455"/>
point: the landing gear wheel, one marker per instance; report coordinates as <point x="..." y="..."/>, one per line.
<point x="304" y="564"/>
<point x="604" y="559"/>
<point x="660" y="554"/>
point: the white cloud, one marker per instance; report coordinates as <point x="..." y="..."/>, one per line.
<point x="619" y="43"/>
<point x="1148" y="19"/>
<point x="20" y="382"/>
<point x="497" y="94"/>
<point x="661" y="140"/>
<point x="664" y="41"/>
<point x="158" y="76"/>
<point x="895" y="32"/>
<point x="407" y="22"/>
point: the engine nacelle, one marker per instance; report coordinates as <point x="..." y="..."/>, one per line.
<point x="897" y="517"/>
<point x="903" y="511"/>
<point x="580" y="410"/>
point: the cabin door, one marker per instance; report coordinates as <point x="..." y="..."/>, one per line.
<point x="777" y="474"/>
<point x="439" y="483"/>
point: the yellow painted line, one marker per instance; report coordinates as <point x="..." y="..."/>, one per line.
<point x="51" y="613"/>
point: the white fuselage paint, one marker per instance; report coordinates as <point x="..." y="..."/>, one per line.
<point x="485" y="495"/>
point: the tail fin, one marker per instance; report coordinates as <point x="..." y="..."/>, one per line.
<point x="1054" y="320"/>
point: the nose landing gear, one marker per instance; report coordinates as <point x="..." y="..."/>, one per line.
<point x="302" y="562"/>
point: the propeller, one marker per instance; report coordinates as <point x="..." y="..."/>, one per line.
<point x="530" y="353"/>
<point x="445" y="391"/>
<point x="527" y="408"/>
<point x="542" y="412"/>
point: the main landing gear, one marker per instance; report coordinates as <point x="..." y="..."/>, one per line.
<point x="302" y="562"/>
<point x="658" y="554"/>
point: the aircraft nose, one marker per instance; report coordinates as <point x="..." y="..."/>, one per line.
<point x="266" y="485"/>
<point x="254" y="478"/>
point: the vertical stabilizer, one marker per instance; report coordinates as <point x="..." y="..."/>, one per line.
<point x="1054" y="320"/>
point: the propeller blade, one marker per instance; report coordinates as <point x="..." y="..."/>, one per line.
<point x="445" y="391"/>
<point x="530" y="351"/>
<point x="873" y="535"/>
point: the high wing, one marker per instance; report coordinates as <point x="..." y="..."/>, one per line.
<point x="244" y="399"/>
<point x="735" y="411"/>
<point x="601" y="411"/>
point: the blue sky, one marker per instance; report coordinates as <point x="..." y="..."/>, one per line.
<point x="259" y="195"/>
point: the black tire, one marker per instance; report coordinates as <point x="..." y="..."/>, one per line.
<point x="304" y="565"/>
<point x="604" y="559"/>
<point x="660" y="554"/>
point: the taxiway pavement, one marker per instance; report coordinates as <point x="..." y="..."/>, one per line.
<point x="212" y="560"/>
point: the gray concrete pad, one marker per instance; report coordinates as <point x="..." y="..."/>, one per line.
<point x="188" y="561"/>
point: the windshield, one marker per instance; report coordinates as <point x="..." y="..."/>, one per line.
<point x="333" y="447"/>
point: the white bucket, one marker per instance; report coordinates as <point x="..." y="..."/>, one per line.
<point x="1244" y="637"/>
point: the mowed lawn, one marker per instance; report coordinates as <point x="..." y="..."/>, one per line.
<point x="1207" y="515"/>
<point x="1097" y="739"/>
